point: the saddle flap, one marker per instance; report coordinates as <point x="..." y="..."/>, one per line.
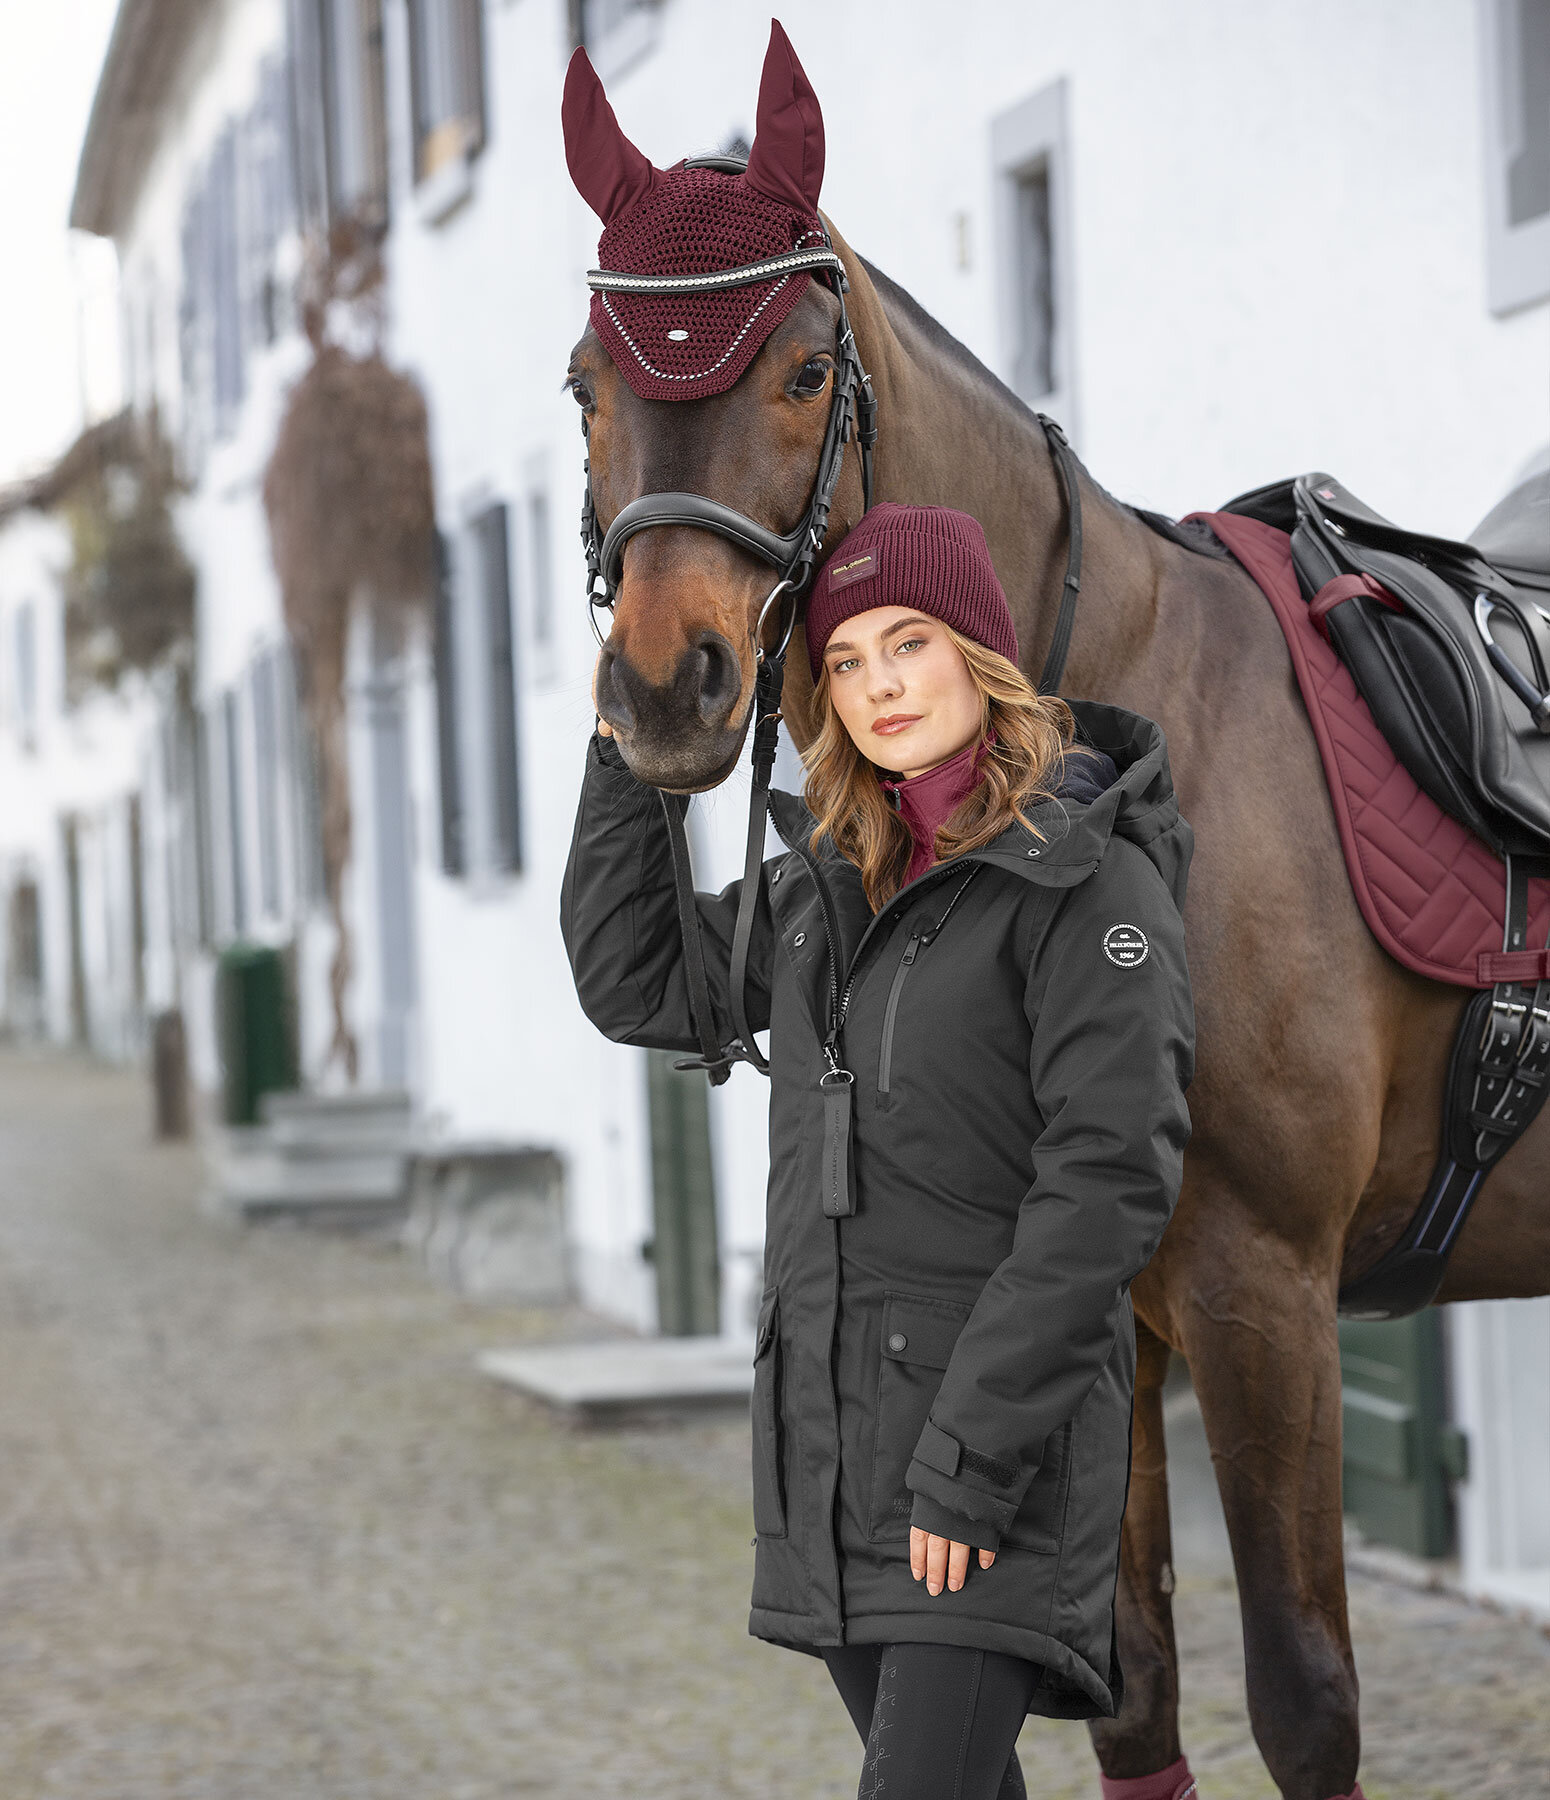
<point x="1454" y="676"/>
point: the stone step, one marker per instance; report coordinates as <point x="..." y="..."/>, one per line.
<point x="300" y="1118"/>
<point x="598" y="1382"/>
<point x="356" y="1190"/>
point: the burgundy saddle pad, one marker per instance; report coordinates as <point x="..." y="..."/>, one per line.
<point x="1432" y="893"/>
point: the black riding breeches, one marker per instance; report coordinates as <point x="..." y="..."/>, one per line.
<point x="939" y="1722"/>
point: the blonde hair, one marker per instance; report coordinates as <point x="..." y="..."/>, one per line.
<point x="1034" y="735"/>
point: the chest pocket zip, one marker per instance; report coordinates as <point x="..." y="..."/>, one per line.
<point x="912" y="950"/>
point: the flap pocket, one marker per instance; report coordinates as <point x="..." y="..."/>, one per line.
<point x="769" y="1325"/>
<point x="920" y="1329"/>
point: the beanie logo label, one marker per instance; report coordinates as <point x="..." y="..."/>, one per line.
<point x="1125" y="945"/>
<point x="858" y="568"/>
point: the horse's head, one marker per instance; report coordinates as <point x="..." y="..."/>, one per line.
<point x="695" y="389"/>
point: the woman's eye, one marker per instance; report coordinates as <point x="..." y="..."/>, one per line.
<point x="814" y="377"/>
<point x="911" y="644"/>
<point x="839" y="668"/>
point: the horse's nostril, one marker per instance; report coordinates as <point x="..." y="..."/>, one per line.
<point x="613" y="703"/>
<point x="720" y="678"/>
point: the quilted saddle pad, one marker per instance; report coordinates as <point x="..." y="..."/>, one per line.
<point x="1431" y="892"/>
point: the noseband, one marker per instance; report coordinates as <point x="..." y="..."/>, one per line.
<point x="852" y="415"/>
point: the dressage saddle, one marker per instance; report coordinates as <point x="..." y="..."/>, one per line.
<point x="1449" y="645"/>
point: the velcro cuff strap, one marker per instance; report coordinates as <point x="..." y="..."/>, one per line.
<point x="937" y="1450"/>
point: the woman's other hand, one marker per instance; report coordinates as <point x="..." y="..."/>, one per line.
<point x="938" y="1559"/>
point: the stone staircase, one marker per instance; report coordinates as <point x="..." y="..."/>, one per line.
<point x="336" y="1160"/>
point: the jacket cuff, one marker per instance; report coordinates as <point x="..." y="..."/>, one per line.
<point x="930" y="1515"/>
<point x="943" y="1471"/>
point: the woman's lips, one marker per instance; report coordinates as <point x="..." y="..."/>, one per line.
<point x="894" y="722"/>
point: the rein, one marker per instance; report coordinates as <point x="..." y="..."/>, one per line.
<point x="852" y="414"/>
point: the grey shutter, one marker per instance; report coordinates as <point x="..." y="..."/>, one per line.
<point x="493" y="527"/>
<point x="453" y="853"/>
<point x="222" y="179"/>
<point x="309" y="120"/>
<point x="266" y="740"/>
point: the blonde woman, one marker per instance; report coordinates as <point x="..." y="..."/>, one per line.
<point x="971" y="964"/>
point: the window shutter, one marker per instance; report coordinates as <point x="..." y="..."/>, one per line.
<point x="453" y="854"/>
<point x="493" y="528"/>
<point x="309" y="120"/>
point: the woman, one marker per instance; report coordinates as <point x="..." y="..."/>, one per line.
<point x="971" y="963"/>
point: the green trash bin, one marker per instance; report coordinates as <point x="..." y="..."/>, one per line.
<point x="256" y="1028"/>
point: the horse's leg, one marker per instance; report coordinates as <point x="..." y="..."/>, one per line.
<point x="1258" y="1328"/>
<point x="1145" y="1736"/>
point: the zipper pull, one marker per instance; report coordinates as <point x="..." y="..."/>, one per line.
<point x="839" y="1175"/>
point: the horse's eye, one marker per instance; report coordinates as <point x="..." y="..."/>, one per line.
<point x="814" y="377"/>
<point x="580" y="393"/>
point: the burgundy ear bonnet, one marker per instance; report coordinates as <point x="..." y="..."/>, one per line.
<point x="682" y="221"/>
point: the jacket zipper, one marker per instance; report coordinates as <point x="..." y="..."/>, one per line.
<point x="917" y="943"/>
<point x="839" y="998"/>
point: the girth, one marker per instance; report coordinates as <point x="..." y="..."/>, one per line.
<point x="1496" y="1085"/>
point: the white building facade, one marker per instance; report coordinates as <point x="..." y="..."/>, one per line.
<point x="1219" y="254"/>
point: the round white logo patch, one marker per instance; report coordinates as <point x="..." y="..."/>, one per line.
<point x="1125" y="945"/>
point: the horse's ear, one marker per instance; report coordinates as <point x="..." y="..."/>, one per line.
<point x="786" y="161"/>
<point x="609" y="172"/>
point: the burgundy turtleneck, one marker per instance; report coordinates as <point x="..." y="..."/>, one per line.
<point x="927" y="800"/>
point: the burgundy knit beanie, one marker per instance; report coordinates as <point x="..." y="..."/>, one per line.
<point x="928" y="557"/>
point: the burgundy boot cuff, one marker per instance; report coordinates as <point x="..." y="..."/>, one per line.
<point x="1173" y="1783"/>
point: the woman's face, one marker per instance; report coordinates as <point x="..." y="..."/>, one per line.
<point x="902" y="689"/>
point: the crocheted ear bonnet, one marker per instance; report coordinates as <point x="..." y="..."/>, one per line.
<point x="693" y="221"/>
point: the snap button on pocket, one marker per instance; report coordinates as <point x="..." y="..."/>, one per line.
<point x="898" y="1342"/>
<point x="1033" y="853"/>
<point x="799" y="940"/>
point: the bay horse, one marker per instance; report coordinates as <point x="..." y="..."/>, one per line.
<point x="1320" y="1061"/>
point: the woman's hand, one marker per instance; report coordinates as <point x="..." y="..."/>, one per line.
<point x="936" y="1559"/>
<point x="604" y="729"/>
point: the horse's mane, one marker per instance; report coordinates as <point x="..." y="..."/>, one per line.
<point x="1194" y="536"/>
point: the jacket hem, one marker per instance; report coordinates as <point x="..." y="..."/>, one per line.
<point x="1072" y="1688"/>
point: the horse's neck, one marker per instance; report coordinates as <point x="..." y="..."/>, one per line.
<point x="950" y="435"/>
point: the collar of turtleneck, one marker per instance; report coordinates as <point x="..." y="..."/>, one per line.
<point x="926" y="801"/>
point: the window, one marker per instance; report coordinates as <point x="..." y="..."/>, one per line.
<point x="1515" y="45"/>
<point x="615" y="33"/>
<point x="340" y="111"/>
<point x="540" y="635"/>
<point x="446" y="60"/>
<point x="476" y="701"/>
<point x="453" y="861"/>
<point x="1028" y="149"/>
<point x="26" y="629"/>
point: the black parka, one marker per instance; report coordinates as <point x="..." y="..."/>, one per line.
<point x="958" y="1353"/>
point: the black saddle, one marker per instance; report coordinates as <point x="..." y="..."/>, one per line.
<point x="1449" y="645"/>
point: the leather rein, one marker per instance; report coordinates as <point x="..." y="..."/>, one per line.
<point x="852" y="415"/>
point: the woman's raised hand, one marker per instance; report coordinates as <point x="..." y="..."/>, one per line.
<point x="936" y="1560"/>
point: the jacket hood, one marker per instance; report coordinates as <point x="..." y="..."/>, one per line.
<point x="1136" y="801"/>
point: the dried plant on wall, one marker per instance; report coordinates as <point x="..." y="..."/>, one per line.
<point x="129" y="590"/>
<point x="351" y="512"/>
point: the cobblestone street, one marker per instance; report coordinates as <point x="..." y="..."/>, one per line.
<point x="266" y="1534"/>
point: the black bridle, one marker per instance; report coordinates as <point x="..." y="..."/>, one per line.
<point x="852" y="415"/>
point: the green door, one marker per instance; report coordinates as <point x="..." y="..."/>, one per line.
<point x="683" y="1188"/>
<point x="1400" y="1453"/>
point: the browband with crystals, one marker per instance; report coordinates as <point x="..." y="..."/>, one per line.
<point x="610" y="282"/>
